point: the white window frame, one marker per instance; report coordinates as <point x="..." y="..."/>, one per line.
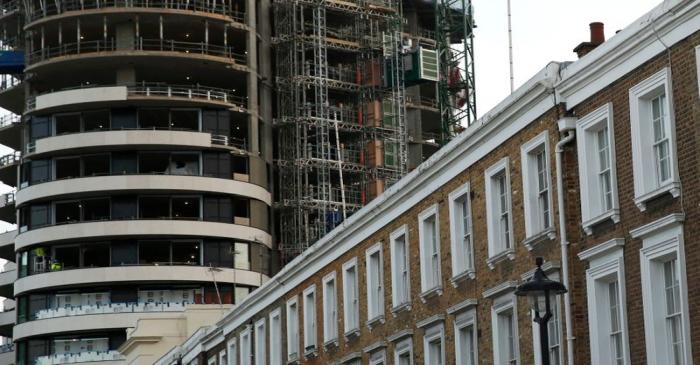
<point x="403" y="347"/>
<point x="498" y="250"/>
<point x="606" y="265"/>
<point x="293" y="329"/>
<point x="697" y="65"/>
<point x="222" y="357"/>
<point x="245" y="350"/>
<point x="231" y="349"/>
<point x="464" y="320"/>
<point x="431" y="276"/>
<point x="330" y="309"/>
<point x="593" y="210"/>
<point x="377" y="358"/>
<point x="462" y="262"/>
<point x="275" y="345"/>
<point x="662" y="240"/>
<point x="646" y="186"/>
<point x="259" y="343"/>
<point x="375" y="284"/>
<point x="351" y="301"/>
<point x="534" y="225"/>
<point x="536" y="344"/>
<point x="212" y="360"/>
<point x="436" y="332"/>
<point x="310" y="328"/>
<point x="400" y="273"/>
<point x="505" y="303"/>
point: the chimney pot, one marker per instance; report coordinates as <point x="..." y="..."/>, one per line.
<point x="597" y="33"/>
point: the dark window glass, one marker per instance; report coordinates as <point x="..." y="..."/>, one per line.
<point x="154" y="252"/>
<point x="124" y="119"/>
<point x="154" y="163"/>
<point x="67" y="123"/>
<point x="210" y="122"/>
<point x="123" y="253"/>
<point x="66" y="257"/>
<point x="37" y="348"/>
<point x="154" y="118"/>
<point x="37" y="302"/>
<point x="124" y="295"/>
<point x="40" y="127"/>
<point x="184" y="164"/>
<point x="123" y="208"/>
<point x="210" y="164"/>
<point x="124" y="163"/>
<point x="185" y="119"/>
<point x="41" y="171"/>
<point x="96" y="165"/>
<point x="218" y="254"/>
<point x="39" y="215"/>
<point x="96" y="255"/>
<point x="154" y="207"/>
<point x="185" y="208"/>
<point x="96" y="120"/>
<point x="96" y="209"/>
<point x="240" y="164"/>
<point x="67" y="168"/>
<point x="241" y="208"/>
<point x="186" y="252"/>
<point x="67" y="212"/>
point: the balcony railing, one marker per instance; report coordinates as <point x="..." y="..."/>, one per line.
<point x="10" y="159"/>
<point x="140" y="44"/>
<point x="194" y="92"/>
<point x="9" y="119"/>
<point x="222" y="140"/>
<point x="7" y="199"/>
<point x="88" y="356"/>
<point x="111" y="308"/>
<point x="8" y="82"/>
<point x="9" y="7"/>
<point x="7" y="348"/>
<point x="214" y="7"/>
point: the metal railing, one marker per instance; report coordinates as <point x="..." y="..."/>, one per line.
<point x="7" y="199"/>
<point x="73" y="358"/>
<point x="9" y="7"/>
<point x="8" y="82"/>
<point x="339" y="73"/>
<point x="10" y="159"/>
<point x="140" y="44"/>
<point x="159" y="89"/>
<point x="214" y="7"/>
<point x="7" y="348"/>
<point x="9" y="119"/>
<point x="422" y="101"/>
<point x="222" y="140"/>
<point x="111" y="308"/>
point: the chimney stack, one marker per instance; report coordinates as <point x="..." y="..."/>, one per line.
<point x="597" y="38"/>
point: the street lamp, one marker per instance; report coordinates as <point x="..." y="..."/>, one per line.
<point x="541" y="291"/>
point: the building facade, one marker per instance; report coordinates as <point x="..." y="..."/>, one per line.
<point x="589" y="164"/>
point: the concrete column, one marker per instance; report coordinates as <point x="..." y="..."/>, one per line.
<point x="265" y="52"/>
<point x="252" y="49"/>
<point x="125" y="36"/>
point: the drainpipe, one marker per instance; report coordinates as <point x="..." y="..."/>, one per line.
<point x="567" y="125"/>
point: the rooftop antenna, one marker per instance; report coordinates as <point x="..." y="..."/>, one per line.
<point x="510" y="49"/>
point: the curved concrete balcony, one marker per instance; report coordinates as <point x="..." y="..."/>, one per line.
<point x="141" y="228"/>
<point x="7" y="321"/>
<point x="143" y="184"/>
<point x="7" y="245"/>
<point x="12" y="94"/>
<point x="145" y="93"/>
<point x="7" y="208"/>
<point x="198" y="8"/>
<point x="8" y="168"/>
<point x="11" y="131"/>
<point x="7" y="280"/>
<point x="111" y="357"/>
<point x="142" y="138"/>
<point x="51" y="59"/>
<point x="7" y="354"/>
<point x="144" y="274"/>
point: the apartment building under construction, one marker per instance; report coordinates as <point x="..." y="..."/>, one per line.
<point x="171" y="154"/>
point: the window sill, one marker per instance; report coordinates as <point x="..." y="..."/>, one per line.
<point x="548" y="234"/>
<point x="434" y="292"/>
<point x="501" y="256"/>
<point x="310" y="352"/>
<point x="612" y="214"/>
<point x="463" y="276"/>
<point x="403" y="307"/>
<point x="374" y="322"/>
<point x="673" y="187"/>
<point x="330" y="344"/>
<point x="292" y="359"/>
<point x="355" y="333"/>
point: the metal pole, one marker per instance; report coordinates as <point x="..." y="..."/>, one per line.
<point x="510" y="50"/>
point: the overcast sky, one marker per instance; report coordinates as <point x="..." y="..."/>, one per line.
<point x="543" y="31"/>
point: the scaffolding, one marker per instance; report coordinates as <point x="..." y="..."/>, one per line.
<point x="340" y="123"/>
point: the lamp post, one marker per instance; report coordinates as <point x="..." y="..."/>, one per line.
<point x="541" y="291"/>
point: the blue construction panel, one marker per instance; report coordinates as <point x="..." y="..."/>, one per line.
<point x="11" y="62"/>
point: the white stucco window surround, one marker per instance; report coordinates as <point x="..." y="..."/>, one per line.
<point x="430" y="270"/>
<point x="665" y="291"/>
<point x="499" y="211"/>
<point x="400" y="270"/>
<point x="461" y="234"/>
<point x="309" y="297"/>
<point x="537" y="190"/>
<point x="232" y="355"/>
<point x="504" y="325"/>
<point x="697" y="64"/>
<point x="597" y="168"/>
<point x="375" y="285"/>
<point x="351" y="294"/>
<point x="330" y="310"/>
<point x="276" y="337"/>
<point x="607" y="304"/>
<point x="293" y="330"/>
<point x="654" y="157"/>
<point x="259" y="344"/>
<point x="465" y="327"/>
<point x="434" y="344"/>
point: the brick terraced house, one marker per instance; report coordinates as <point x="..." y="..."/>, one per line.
<point x="592" y="165"/>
